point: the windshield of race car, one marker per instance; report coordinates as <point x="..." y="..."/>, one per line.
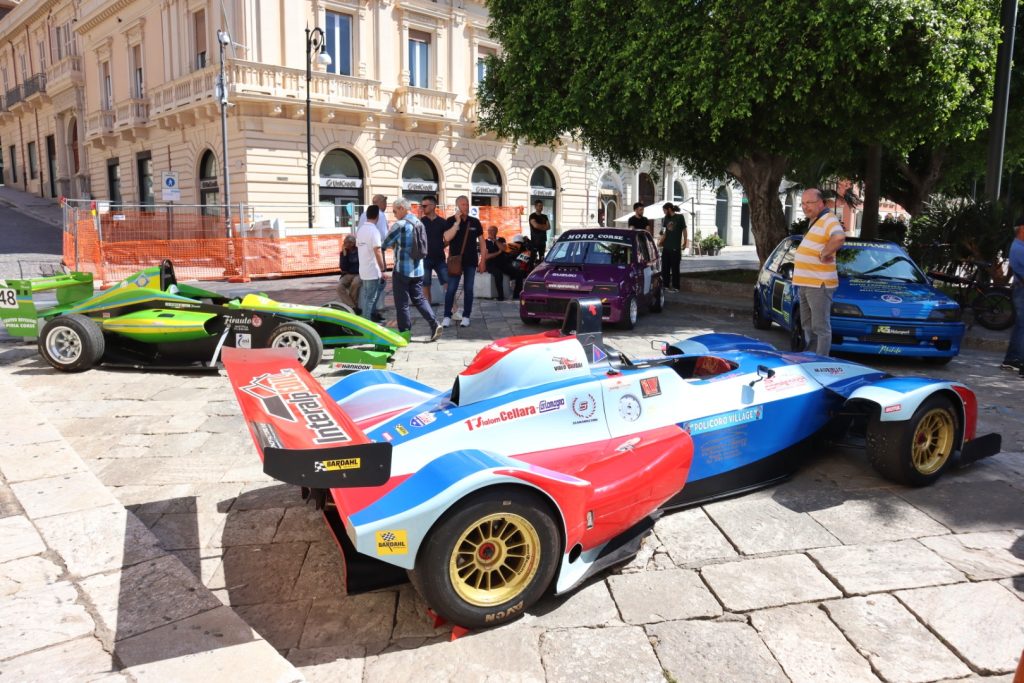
<point x="591" y="252"/>
<point x="874" y="263"/>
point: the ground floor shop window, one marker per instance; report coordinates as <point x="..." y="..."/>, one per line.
<point x="341" y="190"/>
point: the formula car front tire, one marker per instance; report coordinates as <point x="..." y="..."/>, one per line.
<point x="71" y="343"/>
<point x="302" y="338"/>
<point x="915" y="452"/>
<point x="489" y="558"/>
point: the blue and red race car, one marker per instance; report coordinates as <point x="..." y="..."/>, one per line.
<point x="551" y="455"/>
<point x="620" y="267"/>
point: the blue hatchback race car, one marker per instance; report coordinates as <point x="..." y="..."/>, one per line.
<point x="884" y="305"/>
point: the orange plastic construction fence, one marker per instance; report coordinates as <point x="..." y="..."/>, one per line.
<point x="200" y="251"/>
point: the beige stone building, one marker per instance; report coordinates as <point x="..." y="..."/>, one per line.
<point x="102" y="98"/>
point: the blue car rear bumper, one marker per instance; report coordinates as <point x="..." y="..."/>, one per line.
<point x="897" y="338"/>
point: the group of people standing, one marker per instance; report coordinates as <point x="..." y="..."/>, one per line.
<point x="456" y="250"/>
<point x="672" y="239"/>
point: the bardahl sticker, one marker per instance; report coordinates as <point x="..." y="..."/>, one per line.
<point x="336" y="465"/>
<point x="392" y="542"/>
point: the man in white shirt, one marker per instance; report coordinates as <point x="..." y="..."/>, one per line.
<point x="381" y="202"/>
<point x="371" y="264"/>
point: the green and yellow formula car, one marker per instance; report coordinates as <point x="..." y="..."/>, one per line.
<point x="149" y="320"/>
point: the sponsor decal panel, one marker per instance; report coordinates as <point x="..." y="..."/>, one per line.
<point x="782" y="383"/>
<point x="8" y="298"/>
<point x="889" y="329"/>
<point x="584" y="408"/>
<point x="392" y="542"/>
<point x="599" y="354"/>
<point x="650" y="386"/>
<point x="353" y="366"/>
<point x="506" y="415"/>
<point x="830" y="370"/>
<point x="564" y="363"/>
<point x="422" y="420"/>
<point x="891" y="350"/>
<point x="336" y="465"/>
<point x="402" y="431"/>
<point x="894" y="408"/>
<point x="892" y="299"/>
<point x="732" y="418"/>
<point x="549" y="405"/>
<point x="243" y="340"/>
<point x="286" y="396"/>
<point x="387" y="436"/>
<point x="724" y="446"/>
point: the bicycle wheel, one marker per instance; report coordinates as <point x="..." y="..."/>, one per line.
<point x="993" y="309"/>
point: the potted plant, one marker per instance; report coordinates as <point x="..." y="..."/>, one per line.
<point x="711" y="245"/>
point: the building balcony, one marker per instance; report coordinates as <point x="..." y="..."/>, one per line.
<point x="254" y="78"/>
<point x="13" y="97"/>
<point x="64" y="74"/>
<point x="195" y="87"/>
<point x="131" y="113"/>
<point x="422" y="102"/>
<point x="99" y="124"/>
<point x="34" y="85"/>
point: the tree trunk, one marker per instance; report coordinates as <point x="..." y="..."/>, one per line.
<point x="872" y="185"/>
<point x="921" y="184"/>
<point x="760" y="174"/>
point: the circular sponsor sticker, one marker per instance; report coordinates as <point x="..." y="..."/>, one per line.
<point x="891" y="299"/>
<point x="257" y="321"/>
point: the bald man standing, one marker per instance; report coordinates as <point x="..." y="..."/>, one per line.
<point x="814" y="271"/>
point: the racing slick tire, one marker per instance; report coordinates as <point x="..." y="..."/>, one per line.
<point x="915" y="452"/>
<point x="761" y="321"/>
<point x="71" y="343"/>
<point x="489" y="558"/>
<point x="630" y="314"/>
<point x="797" y="340"/>
<point x="657" y="304"/>
<point x="302" y="338"/>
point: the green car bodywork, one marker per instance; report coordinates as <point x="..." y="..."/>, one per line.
<point x="151" y="313"/>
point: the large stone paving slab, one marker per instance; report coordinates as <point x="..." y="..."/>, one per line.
<point x="768" y="582"/>
<point x="652" y="596"/>
<point x="885" y="632"/>
<point x="714" y="651"/>
<point x="585" y="655"/>
<point x="27" y="573"/>
<point x="99" y="540"/>
<point x="591" y="605"/>
<point x="982" y="555"/>
<point x="253" y="574"/>
<point x="809" y="647"/>
<point x="865" y="569"/>
<point x="691" y="539"/>
<point x="494" y="656"/>
<point x="83" y="659"/>
<point x="341" y="664"/>
<point x="41" y="617"/>
<point x="146" y="596"/>
<point x="958" y="507"/>
<point x="63" y="494"/>
<point x="20" y="538"/>
<point x="39" y="460"/>
<point x="873" y="517"/>
<point x="982" y="622"/>
<point x="363" y="620"/>
<point x="761" y="525"/>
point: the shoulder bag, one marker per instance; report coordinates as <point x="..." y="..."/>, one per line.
<point x="455" y="260"/>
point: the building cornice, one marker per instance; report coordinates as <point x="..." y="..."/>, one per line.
<point x="13" y="23"/>
<point x="98" y="17"/>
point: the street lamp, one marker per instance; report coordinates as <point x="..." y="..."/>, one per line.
<point x="223" y="40"/>
<point x="315" y="41"/>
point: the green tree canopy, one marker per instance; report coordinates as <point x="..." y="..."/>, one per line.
<point x="744" y="88"/>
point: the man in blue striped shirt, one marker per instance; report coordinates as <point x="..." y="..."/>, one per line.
<point x="407" y="277"/>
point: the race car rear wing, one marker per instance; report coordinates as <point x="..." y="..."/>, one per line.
<point x="18" y="310"/>
<point x="302" y="436"/>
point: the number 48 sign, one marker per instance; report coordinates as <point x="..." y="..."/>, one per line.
<point x="8" y="298"/>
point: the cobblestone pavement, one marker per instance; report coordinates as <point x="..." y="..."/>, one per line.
<point x="215" y="570"/>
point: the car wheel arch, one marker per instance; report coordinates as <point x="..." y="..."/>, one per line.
<point x="553" y="509"/>
<point x="870" y="407"/>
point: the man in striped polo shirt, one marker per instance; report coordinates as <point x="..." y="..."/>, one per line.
<point x="814" y="271"/>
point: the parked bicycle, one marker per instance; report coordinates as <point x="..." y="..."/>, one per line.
<point x="973" y="289"/>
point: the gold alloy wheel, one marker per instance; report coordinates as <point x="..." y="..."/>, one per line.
<point x="495" y="559"/>
<point x="933" y="441"/>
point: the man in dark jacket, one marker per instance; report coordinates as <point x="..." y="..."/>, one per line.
<point x="464" y="238"/>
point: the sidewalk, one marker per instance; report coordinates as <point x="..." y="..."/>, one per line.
<point x="43" y="209"/>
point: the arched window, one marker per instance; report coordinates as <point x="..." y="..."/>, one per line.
<point x="722" y="212"/>
<point x="341" y="189"/>
<point x="609" y="197"/>
<point x="544" y="189"/>
<point x="646" y="189"/>
<point x="486" y="185"/>
<point x="209" y="190"/>
<point x="419" y="178"/>
<point x="678" y="192"/>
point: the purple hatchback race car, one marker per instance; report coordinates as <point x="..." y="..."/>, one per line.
<point x="622" y="267"/>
